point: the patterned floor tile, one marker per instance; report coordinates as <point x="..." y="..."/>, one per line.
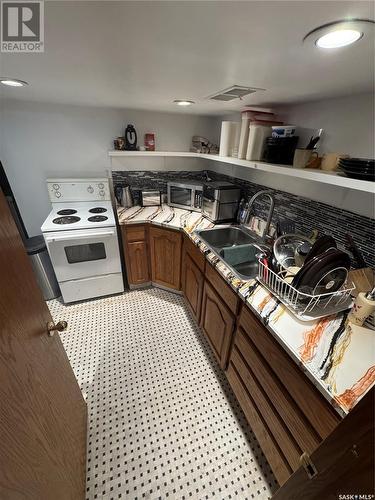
<point x="163" y="421"/>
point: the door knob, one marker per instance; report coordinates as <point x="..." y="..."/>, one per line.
<point x="58" y="327"/>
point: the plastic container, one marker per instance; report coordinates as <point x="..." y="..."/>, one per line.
<point x="150" y="142"/>
<point x="283" y="130"/>
<point x="257" y="137"/>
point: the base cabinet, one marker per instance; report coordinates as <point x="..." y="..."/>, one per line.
<point x="165" y="254"/>
<point x="135" y="243"/>
<point x="217" y="322"/>
<point x="192" y="277"/>
<point x="288" y="415"/>
<point x="193" y="286"/>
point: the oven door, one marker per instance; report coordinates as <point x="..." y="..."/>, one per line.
<point x="180" y="196"/>
<point x="83" y="253"/>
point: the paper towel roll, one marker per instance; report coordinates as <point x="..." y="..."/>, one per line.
<point x="227" y="138"/>
<point x="244" y="136"/>
<point x="235" y="139"/>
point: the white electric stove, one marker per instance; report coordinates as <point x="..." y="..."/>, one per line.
<point x="81" y="238"/>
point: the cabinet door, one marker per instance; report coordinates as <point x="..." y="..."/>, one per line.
<point x="137" y="259"/>
<point x="217" y="323"/>
<point x="193" y="286"/>
<point x="165" y="247"/>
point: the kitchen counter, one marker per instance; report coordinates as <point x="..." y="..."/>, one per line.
<point x="338" y="359"/>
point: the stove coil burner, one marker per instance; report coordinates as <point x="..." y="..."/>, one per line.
<point x="67" y="211"/>
<point x="97" y="210"/>
<point x="97" y="218"/>
<point x="66" y="220"/>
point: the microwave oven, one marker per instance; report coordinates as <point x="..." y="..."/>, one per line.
<point x="187" y="195"/>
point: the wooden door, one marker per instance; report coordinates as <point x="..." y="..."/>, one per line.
<point x="343" y="465"/>
<point x="165" y="249"/>
<point x="42" y="412"/>
<point x="217" y="323"/>
<point x="193" y="286"/>
<point x="135" y="243"/>
<point x="138" y="272"/>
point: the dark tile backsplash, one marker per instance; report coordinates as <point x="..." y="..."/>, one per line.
<point x="307" y="214"/>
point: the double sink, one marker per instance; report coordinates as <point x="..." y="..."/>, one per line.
<point x="235" y="246"/>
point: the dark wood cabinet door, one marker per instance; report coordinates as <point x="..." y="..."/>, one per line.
<point x="217" y="323"/>
<point x="165" y="250"/>
<point x="193" y="285"/>
<point x="138" y="268"/>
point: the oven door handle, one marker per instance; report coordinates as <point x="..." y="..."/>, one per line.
<point x="79" y="237"/>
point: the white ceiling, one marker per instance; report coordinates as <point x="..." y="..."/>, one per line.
<point x="142" y="55"/>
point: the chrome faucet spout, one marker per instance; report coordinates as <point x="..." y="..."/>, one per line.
<point x="257" y="195"/>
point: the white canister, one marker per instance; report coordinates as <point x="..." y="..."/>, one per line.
<point x="244" y="134"/>
<point x="257" y="137"/>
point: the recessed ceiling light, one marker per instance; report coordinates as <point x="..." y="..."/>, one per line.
<point x="183" y="102"/>
<point x="338" y="38"/>
<point x="340" y="33"/>
<point x="12" y="82"/>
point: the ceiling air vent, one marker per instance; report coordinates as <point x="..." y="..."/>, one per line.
<point x="234" y="92"/>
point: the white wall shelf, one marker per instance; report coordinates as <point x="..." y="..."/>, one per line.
<point x="331" y="178"/>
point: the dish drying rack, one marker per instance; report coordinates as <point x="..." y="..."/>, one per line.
<point x="304" y="306"/>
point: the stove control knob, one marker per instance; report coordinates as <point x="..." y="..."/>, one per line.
<point x="101" y="186"/>
<point x="56" y="187"/>
<point x="57" y="194"/>
<point x="101" y="192"/>
<point x="90" y="189"/>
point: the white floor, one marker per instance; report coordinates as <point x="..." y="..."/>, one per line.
<point x="163" y="421"/>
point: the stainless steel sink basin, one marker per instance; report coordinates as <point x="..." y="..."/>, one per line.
<point x="220" y="239"/>
<point x="225" y="236"/>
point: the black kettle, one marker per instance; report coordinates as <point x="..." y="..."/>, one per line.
<point x="130" y="138"/>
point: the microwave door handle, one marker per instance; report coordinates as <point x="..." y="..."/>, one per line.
<point x="81" y="236"/>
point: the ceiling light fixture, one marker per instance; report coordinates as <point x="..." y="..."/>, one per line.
<point x="13" y="82"/>
<point x="183" y="102"/>
<point x="338" y="38"/>
<point x="339" y="33"/>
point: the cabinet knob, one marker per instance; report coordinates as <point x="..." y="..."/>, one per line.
<point x="61" y="326"/>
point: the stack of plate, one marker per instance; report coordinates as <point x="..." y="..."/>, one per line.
<point x="358" y="168"/>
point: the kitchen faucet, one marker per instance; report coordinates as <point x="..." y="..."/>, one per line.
<point x="270" y="212"/>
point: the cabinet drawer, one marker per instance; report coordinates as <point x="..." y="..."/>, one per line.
<point x="135" y="233"/>
<point x="194" y="253"/>
<point x="222" y="288"/>
<point x="269" y="445"/>
<point x="316" y="410"/>
<point x="276" y="427"/>
<point x="285" y="407"/>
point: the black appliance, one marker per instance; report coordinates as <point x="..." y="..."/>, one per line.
<point x="130" y="138"/>
<point x="280" y="150"/>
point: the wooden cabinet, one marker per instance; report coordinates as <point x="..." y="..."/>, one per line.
<point x="192" y="276"/>
<point x="286" y="412"/>
<point x="165" y="253"/>
<point x="193" y="286"/>
<point x="217" y="322"/>
<point x="135" y="243"/>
